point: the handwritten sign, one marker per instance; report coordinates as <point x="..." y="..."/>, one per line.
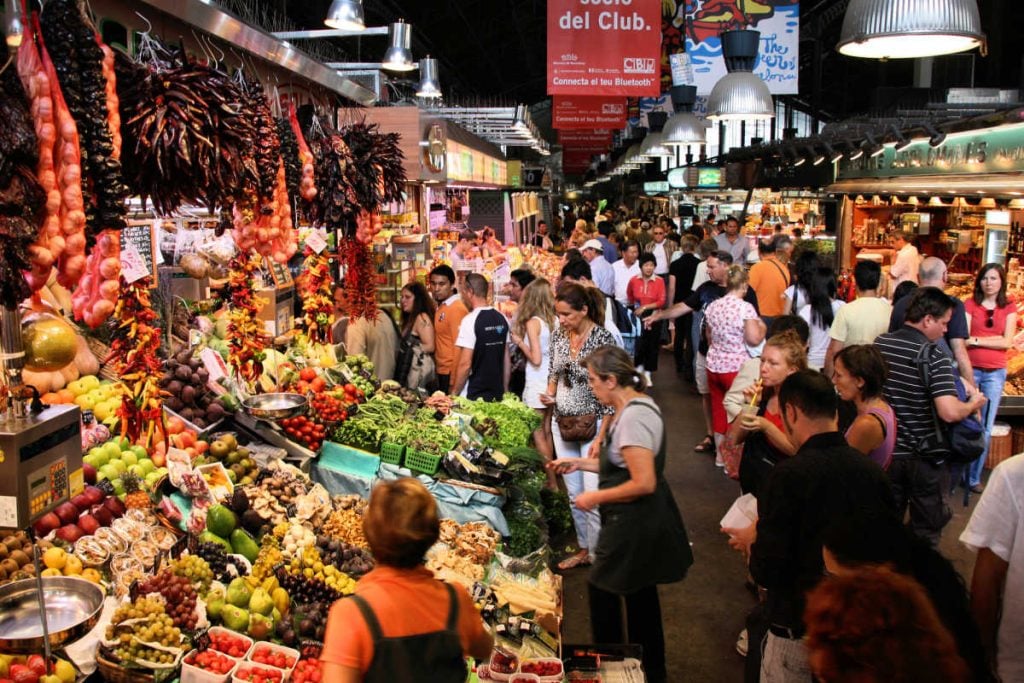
<point x="279" y="271"/>
<point x="137" y="243"/>
<point x="315" y="240"/>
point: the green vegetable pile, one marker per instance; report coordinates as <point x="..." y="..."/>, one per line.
<point x="524" y="506"/>
<point x="557" y="512"/>
<point x="514" y="421"/>
<point x="423" y="433"/>
<point x="365" y="429"/>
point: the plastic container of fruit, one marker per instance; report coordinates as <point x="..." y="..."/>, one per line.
<point x="275" y="650"/>
<point x="516" y="678"/>
<point x="194" y="674"/>
<point x="253" y="666"/>
<point x="215" y="630"/>
<point x="535" y="665"/>
<point x="503" y="664"/>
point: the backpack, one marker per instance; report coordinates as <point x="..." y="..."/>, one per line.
<point x="956" y="443"/>
<point x="626" y="322"/>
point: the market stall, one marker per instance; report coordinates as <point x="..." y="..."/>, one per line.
<point x="188" y="456"/>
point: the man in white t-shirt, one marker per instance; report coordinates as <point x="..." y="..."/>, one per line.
<point x="625" y="269"/>
<point x="864" y="318"/>
<point x="996" y="532"/>
<point x="907" y="263"/>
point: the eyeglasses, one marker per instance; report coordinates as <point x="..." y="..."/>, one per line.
<point x="988" y="321"/>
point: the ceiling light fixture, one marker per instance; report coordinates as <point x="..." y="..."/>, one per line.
<point x="12" y="23"/>
<point x="833" y="155"/>
<point x="904" y="29"/>
<point x="346" y="15"/>
<point x="855" y="151"/>
<point x="871" y="147"/>
<point x="654" y="147"/>
<point x="740" y="94"/>
<point x="902" y="141"/>
<point x="398" y="56"/>
<point x="683" y="128"/>
<point x="430" y="84"/>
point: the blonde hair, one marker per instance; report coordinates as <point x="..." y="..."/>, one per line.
<point x="737" y="278"/>
<point x="792" y="348"/>
<point x="536" y="300"/>
<point x="401" y="522"/>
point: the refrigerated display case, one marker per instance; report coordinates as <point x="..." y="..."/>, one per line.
<point x="997" y="237"/>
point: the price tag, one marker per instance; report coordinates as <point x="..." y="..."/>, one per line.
<point x="214" y="364"/>
<point x="316" y="241"/>
<point x="133" y="267"/>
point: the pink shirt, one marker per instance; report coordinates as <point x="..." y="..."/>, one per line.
<point x="643" y="292"/>
<point x="987" y="359"/>
<point x="726" y="318"/>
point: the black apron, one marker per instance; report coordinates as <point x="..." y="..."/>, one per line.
<point x="642" y="542"/>
<point x="425" y="658"/>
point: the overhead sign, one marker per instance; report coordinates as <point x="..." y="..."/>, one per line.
<point x="585" y="138"/>
<point x="586" y="113"/>
<point x="604" y="47"/>
<point x="696" y="26"/>
<point x="576" y="160"/>
<point x="986" y="150"/>
<point x="656" y="186"/>
<point x="677" y="178"/>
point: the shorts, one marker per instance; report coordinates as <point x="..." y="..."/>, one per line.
<point x="700" y="374"/>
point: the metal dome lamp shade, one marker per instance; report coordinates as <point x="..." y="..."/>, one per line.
<point x="905" y="29"/>
<point x="654" y="147"/>
<point x="683" y="128"/>
<point x="429" y="86"/>
<point x="346" y="15"/>
<point x="398" y="56"/>
<point x="740" y="94"/>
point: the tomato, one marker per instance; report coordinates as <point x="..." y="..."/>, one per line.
<point x="307" y="374"/>
<point x="318" y="384"/>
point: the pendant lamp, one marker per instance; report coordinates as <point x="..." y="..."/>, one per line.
<point x="398" y="56"/>
<point x="12" y="23"/>
<point x="429" y="86"/>
<point x="740" y="94"/>
<point x="904" y="29"/>
<point x="653" y="146"/>
<point x="346" y="15"/>
<point x="683" y="128"/>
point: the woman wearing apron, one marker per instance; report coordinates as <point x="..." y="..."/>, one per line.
<point x="642" y="542"/>
<point x="402" y="624"/>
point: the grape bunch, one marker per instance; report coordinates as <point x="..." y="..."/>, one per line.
<point x="219" y="562"/>
<point x="179" y="594"/>
<point x="305" y="590"/>
<point x="350" y="559"/>
<point x="194" y="568"/>
<point x="150" y="624"/>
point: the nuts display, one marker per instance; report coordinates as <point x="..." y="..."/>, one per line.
<point x="346" y="525"/>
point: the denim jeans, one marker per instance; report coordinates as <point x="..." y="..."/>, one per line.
<point x="990" y="383"/>
<point x="587" y="522"/>
<point x="784" y="661"/>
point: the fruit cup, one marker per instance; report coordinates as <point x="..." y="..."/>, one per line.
<point x="277" y="656"/>
<point x="547" y="669"/>
<point x="250" y="672"/>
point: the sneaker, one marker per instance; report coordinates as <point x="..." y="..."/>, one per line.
<point x="719" y="461"/>
<point x="647" y="376"/>
<point x="742" y="644"/>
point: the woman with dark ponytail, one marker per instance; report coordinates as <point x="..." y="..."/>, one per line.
<point x="642" y="541"/>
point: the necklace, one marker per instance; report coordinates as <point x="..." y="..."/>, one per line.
<point x="577" y="341"/>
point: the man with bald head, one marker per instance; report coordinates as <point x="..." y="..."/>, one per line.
<point x="932" y="273"/>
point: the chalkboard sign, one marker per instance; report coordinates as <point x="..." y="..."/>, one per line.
<point x="139" y="234"/>
<point x="282" y="276"/>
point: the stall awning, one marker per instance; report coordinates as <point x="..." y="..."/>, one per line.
<point x="982" y="184"/>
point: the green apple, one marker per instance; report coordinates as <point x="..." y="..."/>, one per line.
<point x="109" y="471"/>
<point x="139" y="452"/>
<point x="118" y="487"/>
<point x="147" y="465"/>
<point x="129" y="458"/>
<point x="119" y="465"/>
<point x="151" y="478"/>
<point x="111" y="450"/>
<point x="137" y="471"/>
<point x="123" y="443"/>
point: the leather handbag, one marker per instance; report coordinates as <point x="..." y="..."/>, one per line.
<point x="577" y="427"/>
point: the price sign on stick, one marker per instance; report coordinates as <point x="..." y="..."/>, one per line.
<point x="133" y="266"/>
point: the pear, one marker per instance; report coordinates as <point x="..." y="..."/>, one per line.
<point x="235" y="618"/>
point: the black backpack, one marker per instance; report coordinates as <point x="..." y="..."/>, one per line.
<point x="626" y="321"/>
<point x="956" y="443"/>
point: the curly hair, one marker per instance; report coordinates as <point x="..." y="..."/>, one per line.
<point x="876" y="625"/>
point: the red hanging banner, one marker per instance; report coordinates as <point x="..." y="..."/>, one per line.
<point x="590" y="139"/>
<point x="586" y="113"/>
<point x="576" y="160"/>
<point x="604" y="47"/>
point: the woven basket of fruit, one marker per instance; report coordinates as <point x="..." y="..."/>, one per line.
<point x="115" y="673"/>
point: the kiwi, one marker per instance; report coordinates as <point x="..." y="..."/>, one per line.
<point x="9" y="566"/>
<point x="20" y="557"/>
<point x="3" y="552"/>
<point x="12" y="543"/>
<point x="20" y="575"/>
<point x="3" y="574"/>
<point x="29" y="568"/>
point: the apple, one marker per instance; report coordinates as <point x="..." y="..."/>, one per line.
<point x="88" y="524"/>
<point x="69" y="533"/>
<point x="68" y="512"/>
<point x="104" y="516"/>
<point x="108" y="471"/>
<point x="95" y="494"/>
<point x="47" y="523"/>
<point x="89" y="472"/>
<point x="81" y="501"/>
<point x="116" y="507"/>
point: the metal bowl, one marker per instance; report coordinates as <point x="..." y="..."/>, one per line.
<point x="275" y="406"/>
<point x="73" y="606"/>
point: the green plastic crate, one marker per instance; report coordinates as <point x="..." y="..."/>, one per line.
<point x="425" y="463"/>
<point x="392" y="453"/>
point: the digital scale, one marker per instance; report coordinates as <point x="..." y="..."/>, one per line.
<point x="40" y="463"/>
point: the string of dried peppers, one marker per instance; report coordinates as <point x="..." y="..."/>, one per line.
<point x="133" y="351"/>
<point x="247" y="337"/>
<point x="360" y="276"/>
<point x="317" y="292"/>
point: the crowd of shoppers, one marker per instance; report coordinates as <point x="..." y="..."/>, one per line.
<point x="833" y="415"/>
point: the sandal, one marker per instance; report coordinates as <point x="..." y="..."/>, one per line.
<point x="580" y="559"/>
<point x="707" y="445"/>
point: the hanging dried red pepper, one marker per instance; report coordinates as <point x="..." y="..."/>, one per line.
<point x="317" y="292"/>
<point x="360" y="279"/>
<point x="247" y="338"/>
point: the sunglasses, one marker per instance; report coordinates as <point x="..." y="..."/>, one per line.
<point x="988" y="321"/>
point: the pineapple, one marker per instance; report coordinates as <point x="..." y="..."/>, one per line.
<point x="135" y="497"/>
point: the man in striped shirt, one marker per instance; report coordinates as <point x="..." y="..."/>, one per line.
<point x="920" y="482"/>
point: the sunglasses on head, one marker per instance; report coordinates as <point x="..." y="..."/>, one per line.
<point x="988" y="321"/>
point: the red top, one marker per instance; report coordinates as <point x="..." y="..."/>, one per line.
<point x="643" y="292"/>
<point x="984" y="358"/>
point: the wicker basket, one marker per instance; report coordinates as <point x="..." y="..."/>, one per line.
<point x="1018" y="439"/>
<point x="115" y="673"/>
<point x="101" y="351"/>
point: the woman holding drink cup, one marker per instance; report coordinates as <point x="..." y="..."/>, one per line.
<point x="759" y="425"/>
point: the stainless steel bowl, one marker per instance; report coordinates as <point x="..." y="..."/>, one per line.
<point x="275" y="406"/>
<point x="73" y="606"/>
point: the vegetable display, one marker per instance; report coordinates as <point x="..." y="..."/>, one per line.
<point x="513" y="420"/>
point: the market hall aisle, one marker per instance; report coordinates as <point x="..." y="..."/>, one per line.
<point x="704" y="614"/>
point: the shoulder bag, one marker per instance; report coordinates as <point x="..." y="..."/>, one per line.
<point x="577" y="427"/>
<point x="957" y="443"/>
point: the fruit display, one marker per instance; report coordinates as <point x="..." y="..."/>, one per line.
<point x="142" y="633"/>
<point x="184" y="380"/>
<point x="237" y="459"/>
<point x="307" y="671"/>
<point x="210" y="660"/>
<point x="279" y="658"/>
<point x="112" y="460"/>
<point x="255" y="673"/>
<point x="306" y="431"/>
<point x="229" y="643"/>
<point x="179" y="596"/>
<point x="350" y="559"/>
